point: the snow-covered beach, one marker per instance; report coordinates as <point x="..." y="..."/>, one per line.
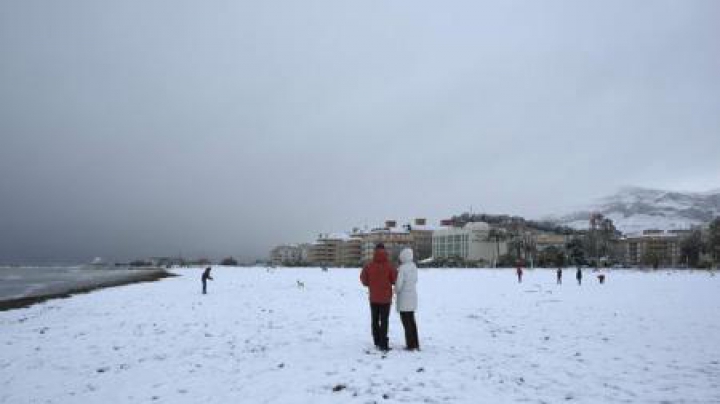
<point x="258" y="336"/>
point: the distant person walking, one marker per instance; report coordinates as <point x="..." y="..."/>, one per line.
<point x="559" y="276"/>
<point x="205" y="277"/>
<point x="406" y="302"/>
<point x="519" y="272"/>
<point x="578" y="276"/>
<point x="378" y="276"/>
<point x="601" y="278"/>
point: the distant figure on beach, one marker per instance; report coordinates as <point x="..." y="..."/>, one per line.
<point x="578" y="275"/>
<point x="601" y="278"/>
<point x="559" y="276"/>
<point x="406" y="293"/>
<point x="378" y="276"/>
<point x="205" y="277"/>
<point x="519" y="271"/>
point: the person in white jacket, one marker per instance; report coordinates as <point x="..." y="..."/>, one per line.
<point x="407" y="298"/>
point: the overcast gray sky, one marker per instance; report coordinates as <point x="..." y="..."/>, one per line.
<point x="135" y="128"/>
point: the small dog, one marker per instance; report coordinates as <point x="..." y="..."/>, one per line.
<point x="300" y="285"/>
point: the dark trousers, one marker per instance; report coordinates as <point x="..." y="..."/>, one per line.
<point x="411" y="333"/>
<point x="379" y="313"/>
<point x="204" y="286"/>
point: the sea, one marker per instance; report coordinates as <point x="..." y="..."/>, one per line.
<point x="17" y="282"/>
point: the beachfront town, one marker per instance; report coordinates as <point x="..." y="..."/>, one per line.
<point x="482" y="240"/>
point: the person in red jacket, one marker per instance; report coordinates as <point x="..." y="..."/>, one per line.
<point x="378" y="276"/>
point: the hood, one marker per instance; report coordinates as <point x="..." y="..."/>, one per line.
<point x="406" y="256"/>
<point x="380" y="255"/>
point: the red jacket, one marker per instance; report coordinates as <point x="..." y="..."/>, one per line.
<point x="379" y="276"/>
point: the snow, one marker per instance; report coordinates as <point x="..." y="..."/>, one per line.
<point x="637" y="223"/>
<point x="260" y="336"/>
<point x="425" y="227"/>
<point x="634" y="209"/>
<point x="335" y="236"/>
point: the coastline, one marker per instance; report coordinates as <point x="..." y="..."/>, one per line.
<point x="141" y="276"/>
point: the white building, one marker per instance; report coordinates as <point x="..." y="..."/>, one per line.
<point x="470" y="243"/>
<point x="291" y="254"/>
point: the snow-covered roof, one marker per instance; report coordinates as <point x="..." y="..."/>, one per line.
<point x="335" y="236"/>
<point x="477" y="226"/>
<point x="664" y="234"/>
<point x="425" y="227"/>
<point x="393" y="230"/>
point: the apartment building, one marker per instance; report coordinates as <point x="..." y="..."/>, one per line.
<point x="546" y="240"/>
<point x="351" y="252"/>
<point x="653" y="248"/>
<point x="357" y="248"/>
<point x="470" y="243"/>
<point x="326" y="251"/>
<point x="421" y="236"/>
<point x="393" y="238"/>
<point x="290" y="254"/>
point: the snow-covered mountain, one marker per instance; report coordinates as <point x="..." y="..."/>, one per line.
<point x="634" y="209"/>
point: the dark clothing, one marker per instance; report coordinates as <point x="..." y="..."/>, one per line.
<point x="379" y="313"/>
<point x="205" y="277"/>
<point x="559" y="276"/>
<point x="411" y="333"/>
<point x="379" y="276"/>
<point x="519" y="274"/>
<point x="578" y="275"/>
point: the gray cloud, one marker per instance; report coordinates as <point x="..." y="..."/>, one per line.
<point x="151" y="128"/>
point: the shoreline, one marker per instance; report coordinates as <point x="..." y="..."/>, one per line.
<point x="152" y="275"/>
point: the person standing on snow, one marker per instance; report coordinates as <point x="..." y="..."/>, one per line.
<point x="205" y="277"/>
<point x="578" y="275"/>
<point x="519" y="271"/>
<point x="559" y="276"/>
<point x="378" y="276"/>
<point x="406" y="298"/>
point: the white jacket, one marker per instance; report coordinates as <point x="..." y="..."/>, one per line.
<point x="406" y="283"/>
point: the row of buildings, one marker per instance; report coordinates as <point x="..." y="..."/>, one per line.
<point x="356" y="247"/>
<point x="481" y="244"/>
<point x="472" y="242"/>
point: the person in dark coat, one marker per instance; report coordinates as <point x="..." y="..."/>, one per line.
<point x="519" y="272"/>
<point x="379" y="276"/>
<point x="578" y="276"/>
<point x="559" y="276"/>
<point x="205" y="277"/>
